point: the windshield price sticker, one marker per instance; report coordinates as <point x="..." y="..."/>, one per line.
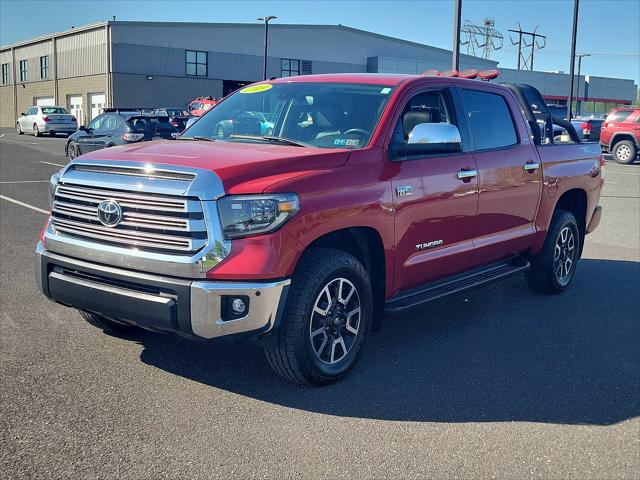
<point x="257" y="88"/>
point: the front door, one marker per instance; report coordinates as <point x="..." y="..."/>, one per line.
<point x="435" y="209"/>
<point x="509" y="176"/>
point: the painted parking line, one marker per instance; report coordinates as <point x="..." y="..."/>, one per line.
<point x="18" y="141"/>
<point x="25" y="181"/>
<point x="52" y="163"/>
<point x="18" y="202"/>
<point x="611" y="172"/>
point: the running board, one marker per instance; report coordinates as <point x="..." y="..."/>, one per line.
<point x="456" y="284"/>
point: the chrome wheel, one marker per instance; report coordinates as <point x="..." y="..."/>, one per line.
<point x="623" y="152"/>
<point x="564" y="255"/>
<point x="72" y="151"/>
<point x="335" y="321"/>
<point x="220" y="133"/>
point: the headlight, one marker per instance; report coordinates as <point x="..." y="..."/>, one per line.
<point x="53" y="184"/>
<point x="244" y="215"/>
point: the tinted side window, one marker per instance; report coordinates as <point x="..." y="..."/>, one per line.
<point x="109" y="123"/>
<point x="489" y="119"/>
<point x="96" y="123"/>
<point x="619" y="116"/>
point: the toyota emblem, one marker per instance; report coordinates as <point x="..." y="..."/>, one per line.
<point x="109" y="213"/>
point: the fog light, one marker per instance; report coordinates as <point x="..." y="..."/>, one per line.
<point x="238" y="306"/>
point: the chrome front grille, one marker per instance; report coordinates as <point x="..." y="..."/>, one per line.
<point x="152" y="222"/>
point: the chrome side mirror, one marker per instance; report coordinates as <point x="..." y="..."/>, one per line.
<point x="441" y="133"/>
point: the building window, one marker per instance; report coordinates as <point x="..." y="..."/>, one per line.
<point x="5" y="73"/>
<point x="196" y="63"/>
<point x="24" y="67"/>
<point x="289" y="67"/>
<point x="44" y="67"/>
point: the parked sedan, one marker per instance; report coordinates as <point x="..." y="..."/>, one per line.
<point x="118" y="128"/>
<point x="51" y="120"/>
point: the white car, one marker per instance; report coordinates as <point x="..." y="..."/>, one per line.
<point x="51" y="120"/>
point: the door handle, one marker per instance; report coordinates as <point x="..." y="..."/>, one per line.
<point x="467" y="174"/>
<point x="531" y="166"/>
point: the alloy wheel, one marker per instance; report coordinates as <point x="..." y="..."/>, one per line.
<point x="564" y="255"/>
<point x="335" y="321"/>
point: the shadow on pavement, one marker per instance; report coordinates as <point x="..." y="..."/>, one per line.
<point x="497" y="354"/>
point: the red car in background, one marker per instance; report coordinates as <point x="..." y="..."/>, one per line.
<point x="202" y="105"/>
<point x="620" y="134"/>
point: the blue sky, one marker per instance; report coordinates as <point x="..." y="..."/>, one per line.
<point x="608" y="29"/>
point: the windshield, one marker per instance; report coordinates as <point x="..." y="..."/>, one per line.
<point x="327" y="115"/>
<point x="51" y="110"/>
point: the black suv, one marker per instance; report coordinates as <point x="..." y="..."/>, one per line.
<point x="118" y="128"/>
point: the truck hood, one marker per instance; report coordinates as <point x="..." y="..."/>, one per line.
<point x="242" y="167"/>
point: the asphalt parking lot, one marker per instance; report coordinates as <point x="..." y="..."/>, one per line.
<point x="500" y="382"/>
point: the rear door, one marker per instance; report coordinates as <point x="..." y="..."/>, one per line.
<point x="435" y="208"/>
<point x="509" y="174"/>
<point x="104" y="136"/>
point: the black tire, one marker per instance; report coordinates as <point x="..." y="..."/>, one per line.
<point x="106" y="325"/>
<point x="294" y="355"/>
<point x="36" y="130"/>
<point x="72" y="151"/>
<point x="19" y="129"/>
<point x="624" y="152"/>
<point x="546" y="275"/>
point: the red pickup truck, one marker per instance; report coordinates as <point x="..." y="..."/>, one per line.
<point x="374" y="195"/>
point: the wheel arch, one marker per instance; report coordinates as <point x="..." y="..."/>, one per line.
<point x="575" y="201"/>
<point x="364" y="243"/>
<point x="621" y="136"/>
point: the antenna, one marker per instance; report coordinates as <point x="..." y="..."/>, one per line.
<point x="531" y="40"/>
<point x="486" y="37"/>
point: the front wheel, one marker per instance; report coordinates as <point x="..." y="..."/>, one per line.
<point x="553" y="269"/>
<point x="19" y="129"/>
<point x="36" y="130"/>
<point x="72" y="151"/>
<point x="327" y="318"/>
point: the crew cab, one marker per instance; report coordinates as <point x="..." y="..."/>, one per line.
<point x="373" y="195"/>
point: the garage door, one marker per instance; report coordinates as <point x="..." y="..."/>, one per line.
<point x="45" y="101"/>
<point x="97" y="103"/>
<point x="74" y="105"/>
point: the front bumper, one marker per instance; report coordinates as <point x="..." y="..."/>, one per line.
<point x="160" y="303"/>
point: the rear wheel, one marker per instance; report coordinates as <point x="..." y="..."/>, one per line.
<point x="624" y="152"/>
<point x="552" y="270"/>
<point x="36" y="130"/>
<point x="326" y="320"/>
<point x="107" y="325"/>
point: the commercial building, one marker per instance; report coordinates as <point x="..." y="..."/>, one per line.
<point x="144" y="64"/>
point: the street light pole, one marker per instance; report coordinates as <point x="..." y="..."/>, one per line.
<point x="578" y="81"/>
<point x="266" y="41"/>
<point x="457" y="12"/>
<point x="574" y="34"/>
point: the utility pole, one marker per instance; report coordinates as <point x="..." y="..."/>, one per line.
<point x="457" y="12"/>
<point x="535" y="40"/>
<point x="580" y="57"/>
<point x="576" y="4"/>
<point x="266" y="41"/>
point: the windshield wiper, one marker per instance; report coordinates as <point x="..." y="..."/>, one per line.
<point x="271" y="138"/>
<point x="198" y="137"/>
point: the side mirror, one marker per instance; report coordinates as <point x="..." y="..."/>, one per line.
<point x="82" y="128"/>
<point x="22" y="114"/>
<point x="429" y="138"/>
